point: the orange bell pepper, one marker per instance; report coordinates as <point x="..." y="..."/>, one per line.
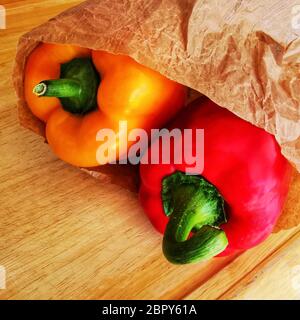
<point x="91" y="90"/>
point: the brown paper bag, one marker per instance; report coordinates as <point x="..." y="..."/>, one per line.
<point x="244" y="55"/>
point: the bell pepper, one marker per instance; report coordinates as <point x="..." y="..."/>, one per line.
<point x="77" y="92"/>
<point x="233" y="204"/>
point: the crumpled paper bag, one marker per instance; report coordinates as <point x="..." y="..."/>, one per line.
<point x="242" y="54"/>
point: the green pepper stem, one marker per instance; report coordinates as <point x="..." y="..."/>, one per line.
<point x="61" y="88"/>
<point x="77" y="87"/>
<point x="194" y="205"/>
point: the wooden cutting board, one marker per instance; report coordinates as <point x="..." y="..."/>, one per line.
<point x="63" y="235"/>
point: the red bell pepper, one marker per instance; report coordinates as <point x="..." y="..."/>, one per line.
<point x="233" y="204"/>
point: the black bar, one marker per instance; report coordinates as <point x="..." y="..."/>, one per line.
<point x="106" y="310"/>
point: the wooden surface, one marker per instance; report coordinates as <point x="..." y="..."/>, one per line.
<point x="63" y="235"/>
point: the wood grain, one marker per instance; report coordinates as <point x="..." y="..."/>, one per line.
<point x="63" y="235"/>
<point x="233" y="274"/>
<point x="281" y="271"/>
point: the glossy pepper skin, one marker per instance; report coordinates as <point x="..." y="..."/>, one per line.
<point x="241" y="161"/>
<point x="125" y="91"/>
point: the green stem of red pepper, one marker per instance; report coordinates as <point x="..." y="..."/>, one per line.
<point x="194" y="205"/>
